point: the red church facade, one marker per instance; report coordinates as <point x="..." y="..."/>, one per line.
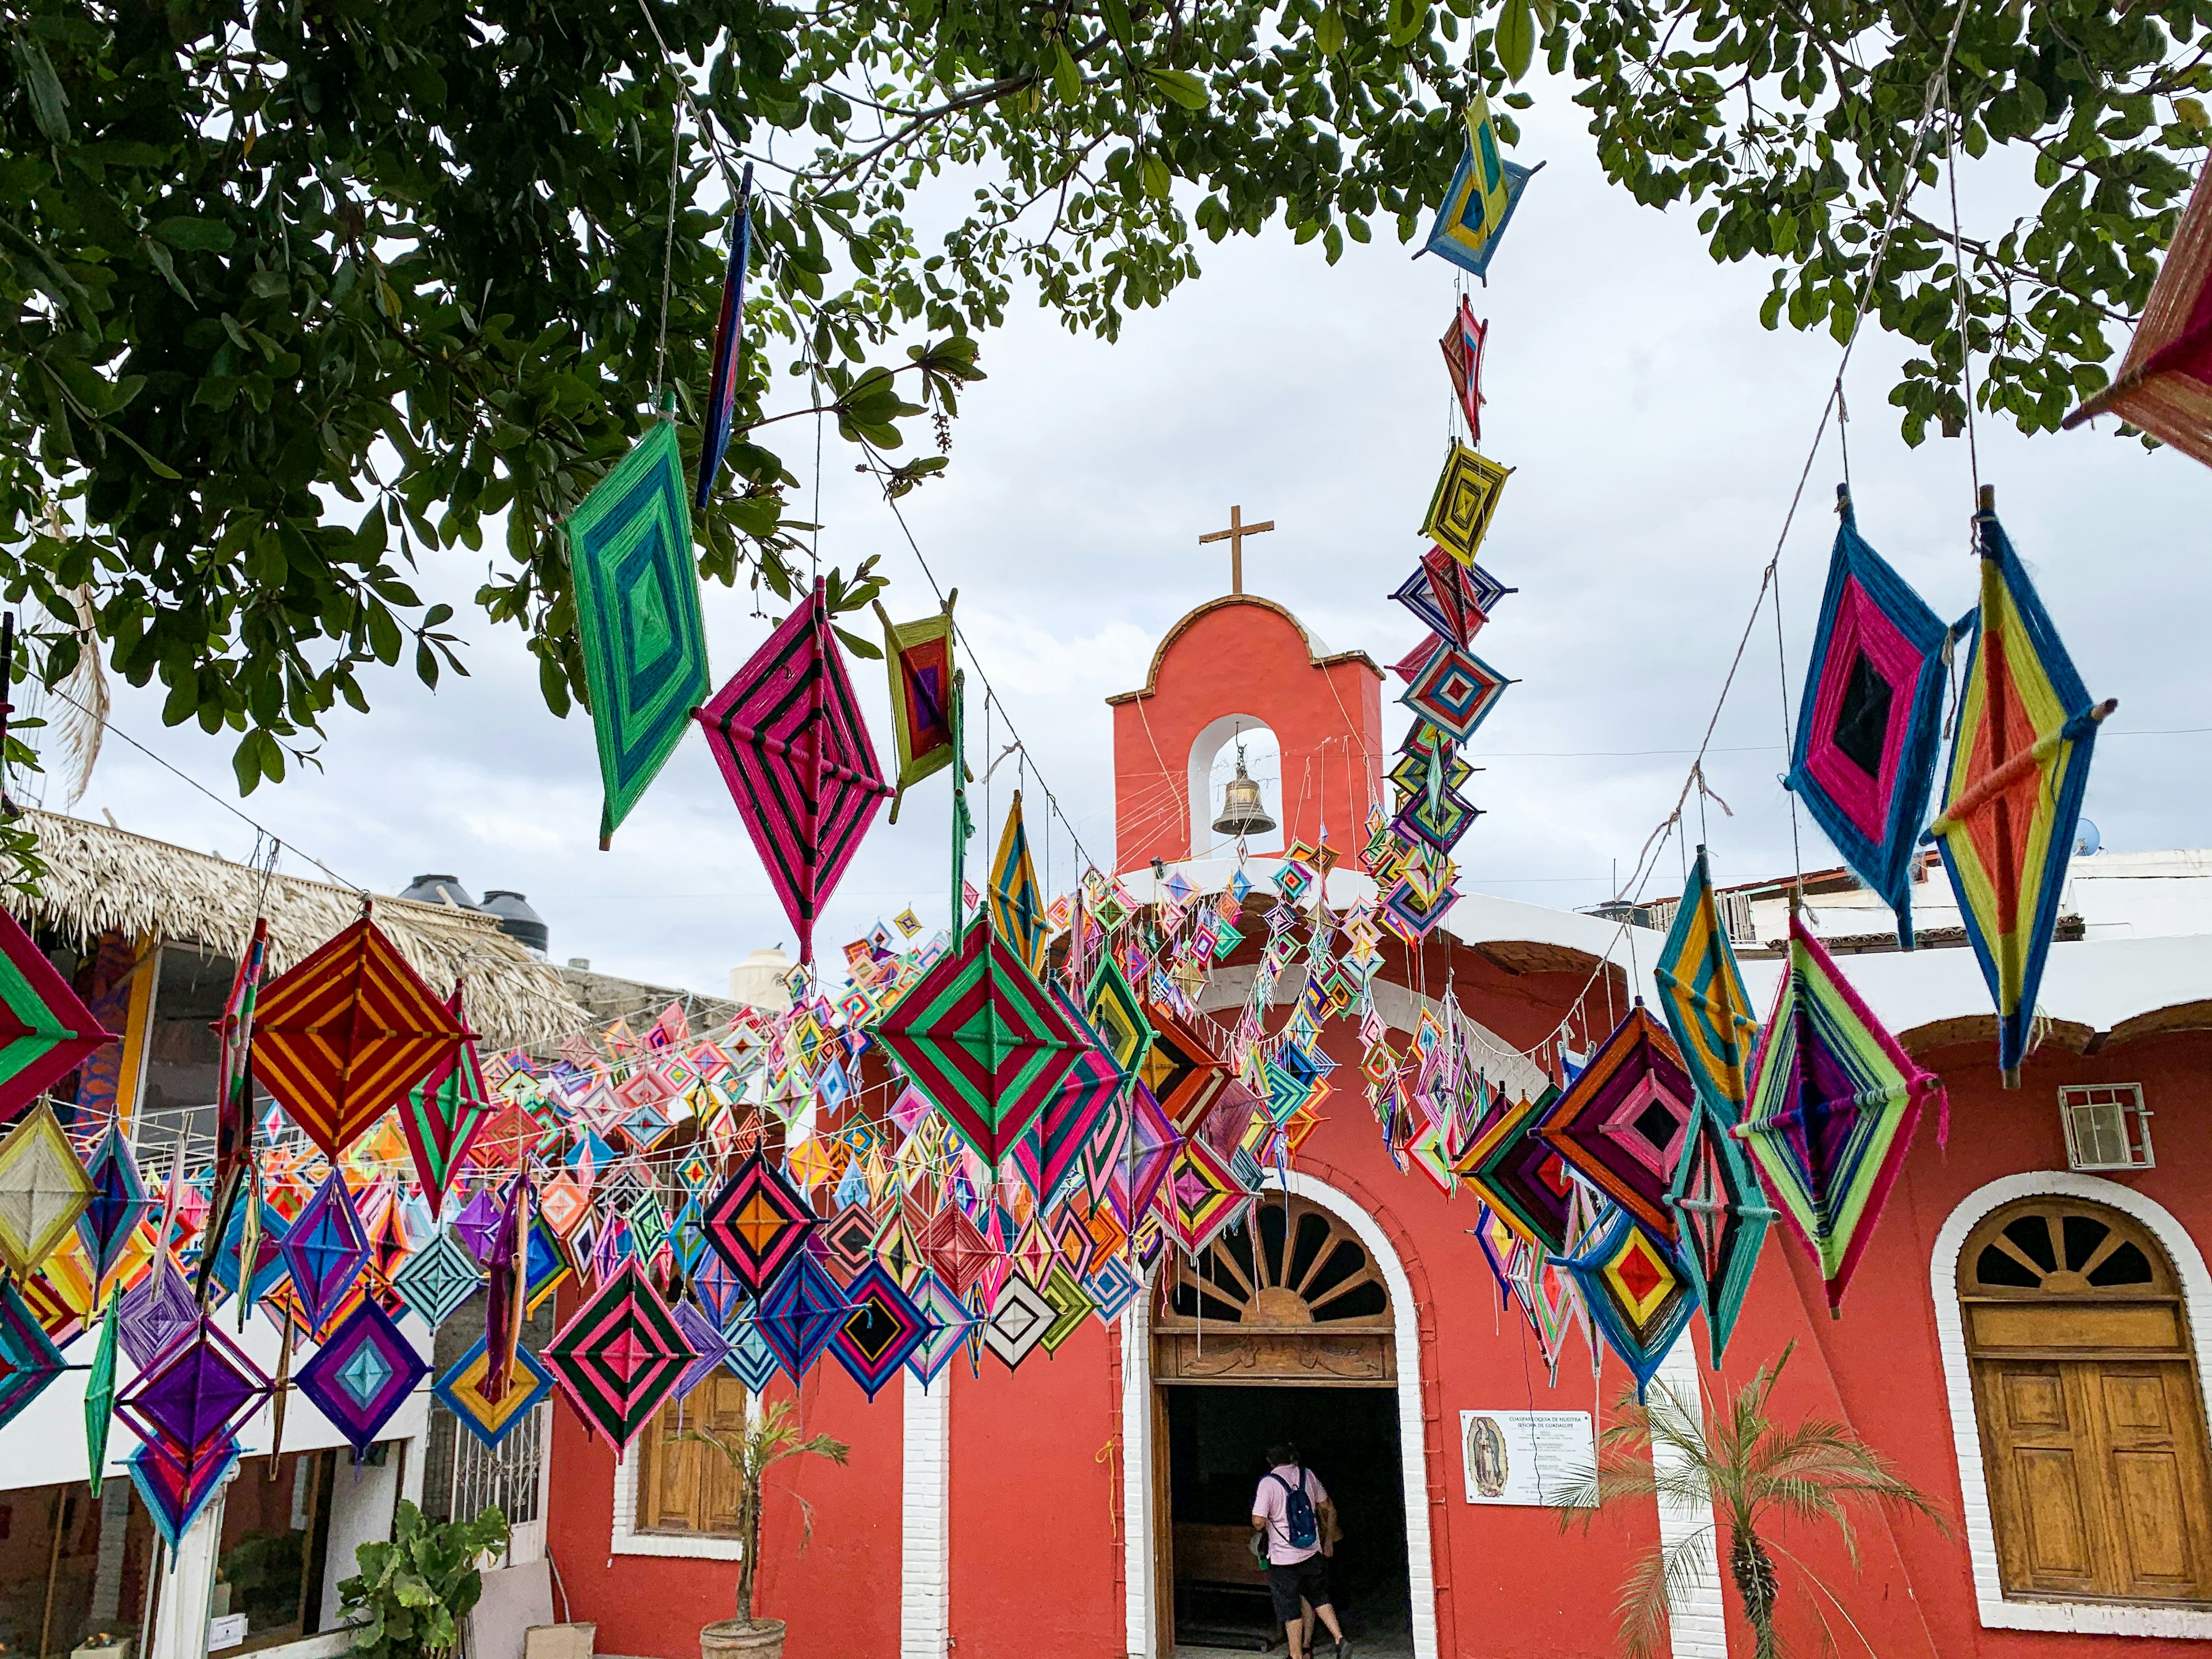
<point x="1075" y="1506"/>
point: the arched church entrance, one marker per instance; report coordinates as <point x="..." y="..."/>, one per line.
<point x="1283" y="1330"/>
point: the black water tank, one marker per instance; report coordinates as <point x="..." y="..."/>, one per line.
<point x="516" y="919"/>
<point x="438" y="890"/>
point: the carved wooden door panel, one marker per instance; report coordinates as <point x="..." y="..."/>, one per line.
<point x="1291" y="1297"/>
<point x="2042" y="1458"/>
<point x="2153" y="1469"/>
<point x="2090" y="1414"/>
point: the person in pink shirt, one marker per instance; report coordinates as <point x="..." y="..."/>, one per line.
<point x="1293" y="1513"/>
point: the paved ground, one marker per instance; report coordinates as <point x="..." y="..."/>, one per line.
<point x="1391" y="1644"/>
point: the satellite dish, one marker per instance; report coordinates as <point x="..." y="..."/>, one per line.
<point x="2087" y="842"/>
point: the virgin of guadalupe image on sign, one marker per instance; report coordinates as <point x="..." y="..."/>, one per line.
<point x="1486" y="1456"/>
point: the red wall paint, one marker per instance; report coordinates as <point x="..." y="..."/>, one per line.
<point x="1246" y="656"/>
<point x="1036" y="1528"/>
<point x="1879" y="1368"/>
<point x="1035" y="1517"/>
<point x="839" y="1590"/>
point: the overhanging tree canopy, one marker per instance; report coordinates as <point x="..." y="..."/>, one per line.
<point x="412" y="252"/>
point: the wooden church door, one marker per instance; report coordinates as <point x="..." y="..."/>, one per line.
<point x="2090" y="1414"/>
<point x="1291" y="1299"/>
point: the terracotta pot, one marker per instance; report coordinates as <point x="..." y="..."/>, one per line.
<point x="762" y="1639"/>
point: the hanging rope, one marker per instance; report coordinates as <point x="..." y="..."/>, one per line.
<point x="663" y="394"/>
<point x="1907" y="179"/>
<point x="1959" y="287"/>
<point x="1052" y="800"/>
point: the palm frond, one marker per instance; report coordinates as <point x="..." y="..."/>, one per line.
<point x="1681" y="1486"/>
<point x="1658" y="1585"/>
<point x="1726" y="1451"/>
<point x="1821" y="1584"/>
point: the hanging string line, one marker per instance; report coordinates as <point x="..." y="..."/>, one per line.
<point x="706" y="127"/>
<point x="258" y="828"/>
<point x="1907" y="179"/>
<point x="1959" y="287"/>
<point x="668" y="248"/>
<point x="990" y="692"/>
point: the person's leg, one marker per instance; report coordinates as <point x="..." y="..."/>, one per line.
<point x="1283" y="1587"/>
<point x="1306" y="1621"/>
<point x="1322" y="1601"/>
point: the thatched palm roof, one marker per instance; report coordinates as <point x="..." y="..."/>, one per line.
<point x="101" y="877"/>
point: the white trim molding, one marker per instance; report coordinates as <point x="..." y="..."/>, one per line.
<point x="1998" y="1610"/>
<point x="1696" y="1615"/>
<point x="625" y="1539"/>
<point x="1412" y="1437"/>
<point x="1137" y="1475"/>
<point x="925" y="1518"/>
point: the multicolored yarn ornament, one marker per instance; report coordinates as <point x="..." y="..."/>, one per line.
<point x="2165" y="383"/>
<point x="45" y="1031"/>
<point x="1864" y="755"/>
<point x="983" y="1041"/>
<point x="1479" y="201"/>
<point x="787" y="733"/>
<point x="1636" y="1295"/>
<point x="637" y="592"/>
<point x="461" y="1390"/>
<point x="1833" y="1105"/>
<point x="362" y="1374"/>
<point x="620" y="1356"/>
<point x="2019" y="762"/>
<point x="1624" y="1121"/>
<point x="341" y="1037"/>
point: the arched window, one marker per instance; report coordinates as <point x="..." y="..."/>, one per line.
<point x="1291" y="1296"/>
<point x="2087" y="1396"/>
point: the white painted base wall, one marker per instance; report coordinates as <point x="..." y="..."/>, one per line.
<point x="926" y="1519"/>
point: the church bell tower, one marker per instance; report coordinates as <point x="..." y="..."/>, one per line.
<point x="1233" y="664"/>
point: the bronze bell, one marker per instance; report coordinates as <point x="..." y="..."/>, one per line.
<point x="1243" y="812"/>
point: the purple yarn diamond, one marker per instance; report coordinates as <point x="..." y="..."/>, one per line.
<point x="157" y="1313"/>
<point x="706" y="1341"/>
<point x="199" y="1393"/>
<point x="326" y="1249"/>
<point x="477" y="1225"/>
<point x="362" y="1374"/>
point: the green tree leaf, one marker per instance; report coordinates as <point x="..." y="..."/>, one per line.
<point x="49" y="103"/>
<point x="1517" y="37"/>
<point x="1181" y="87"/>
<point x="197" y="235"/>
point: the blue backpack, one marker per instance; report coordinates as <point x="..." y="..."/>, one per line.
<point x="1298" y="1518"/>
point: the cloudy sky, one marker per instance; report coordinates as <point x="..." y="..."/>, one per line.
<point x="1658" y="433"/>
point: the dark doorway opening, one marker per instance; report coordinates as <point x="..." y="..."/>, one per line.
<point x="1218" y="1438"/>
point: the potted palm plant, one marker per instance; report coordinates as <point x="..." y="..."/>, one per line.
<point x="1757" y="1474"/>
<point x="767" y="1440"/>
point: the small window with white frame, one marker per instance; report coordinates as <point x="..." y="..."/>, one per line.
<point x="2107" y="1126"/>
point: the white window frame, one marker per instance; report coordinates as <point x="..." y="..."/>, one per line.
<point x="2134" y="1124"/>
<point x="1998" y="1610"/>
<point x="625" y="1537"/>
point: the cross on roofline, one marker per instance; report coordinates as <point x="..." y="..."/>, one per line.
<point x="1235" y="535"/>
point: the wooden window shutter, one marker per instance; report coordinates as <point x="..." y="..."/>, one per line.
<point x="2086" y="1397"/>
<point x="721" y="1401"/>
<point x="683" y="1486"/>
